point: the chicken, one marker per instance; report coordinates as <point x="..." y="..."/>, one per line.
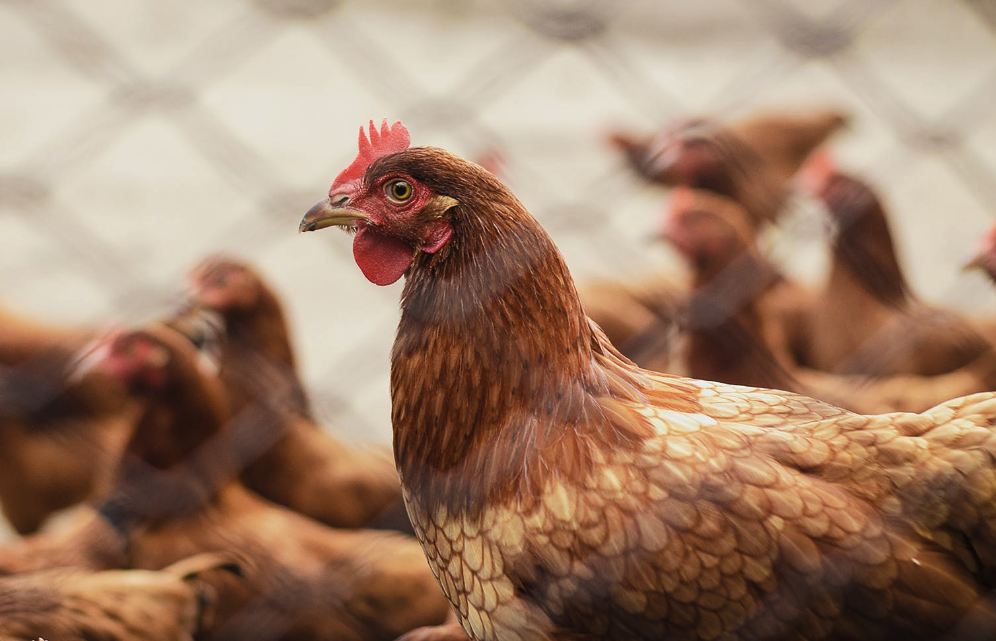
<point x="298" y="464"/>
<point x="60" y="434"/>
<point x="89" y="540"/>
<point x="560" y="492"/>
<point x="256" y="354"/>
<point x="746" y="320"/>
<point x="867" y="319"/>
<point x="177" y="495"/>
<point x="114" y="605"/>
<point x="750" y="161"/>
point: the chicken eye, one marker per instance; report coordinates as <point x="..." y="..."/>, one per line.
<point x="399" y="190"/>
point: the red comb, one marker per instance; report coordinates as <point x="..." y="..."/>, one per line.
<point x="388" y="140"/>
<point x="681" y="198"/>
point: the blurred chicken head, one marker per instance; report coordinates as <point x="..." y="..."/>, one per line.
<point x="685" y="153"/>
<point x="223" y="283"/>
<point x="706" y="229"/>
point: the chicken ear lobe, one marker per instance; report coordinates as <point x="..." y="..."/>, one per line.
<point x="436" y="235"/>
<point x="383" y="259"/>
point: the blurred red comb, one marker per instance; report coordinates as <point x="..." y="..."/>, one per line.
<point x="388" y="140"/>
<point x="816" y="172"/>
<point x="982" y="255"/>
<point x="682" y="198"/>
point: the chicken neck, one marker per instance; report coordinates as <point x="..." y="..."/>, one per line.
<point x="497" y="374"/>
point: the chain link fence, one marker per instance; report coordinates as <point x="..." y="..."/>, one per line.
<point x="140" y="136"/>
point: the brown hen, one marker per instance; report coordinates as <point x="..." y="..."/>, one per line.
<point x="61" y="432"/>
<point x="867" y="319"/>
<point x="559" y="492"/>
<point x="750" y="161"/>
<point x="298" y="463"/>
<point x="746" y="320"/>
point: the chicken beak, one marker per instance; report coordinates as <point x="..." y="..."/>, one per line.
<point x="326" y="214"/>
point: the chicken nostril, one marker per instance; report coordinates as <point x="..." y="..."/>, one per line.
<point x="339" y="200"/>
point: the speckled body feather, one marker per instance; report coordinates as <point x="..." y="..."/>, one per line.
<point x="560" y="492"/>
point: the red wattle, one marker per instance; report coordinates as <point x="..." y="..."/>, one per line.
<point x="382" y="259"/>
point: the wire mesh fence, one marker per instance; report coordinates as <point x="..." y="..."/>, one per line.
<point x="141" y="136"/>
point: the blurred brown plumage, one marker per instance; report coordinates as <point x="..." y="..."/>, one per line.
<point x="176" y="495"/>
<point x="867" y="320"/>
<point x="745" y="319"/>
<point x="747" y="323"/>
<point x="113" y="605"/>
<point x="298" y="463"/>
<point x="60" y="433"/>
<point x="643" y="319"/>
<point x="750" y="161"/>
<point x="559" y="492"/>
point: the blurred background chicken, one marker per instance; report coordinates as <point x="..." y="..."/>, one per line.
<point x="750" y="161"/>
<point x="289" y="458"/>
<point x="61" y="430"/>
<point x="867" y="320"/>
<point x="744" y="321"/>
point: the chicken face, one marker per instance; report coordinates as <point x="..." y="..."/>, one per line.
<point x="684" y="154"/>
<point x="686" y="161"/>
<point x="393" y="214"/>
<point x="847" y="199"/>
<point x="701" y="228"/>
<point x="222" y="283"/>
<point x="135" y="359"/>
<point x="392" y="218"/>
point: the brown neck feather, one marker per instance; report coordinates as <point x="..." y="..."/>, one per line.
<point x="179" y="417"/>
<point x="864" y="245"/>
<point x="263" y="327"/>
<point x="497" y="375"/>
<point x="258" y="362"/>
